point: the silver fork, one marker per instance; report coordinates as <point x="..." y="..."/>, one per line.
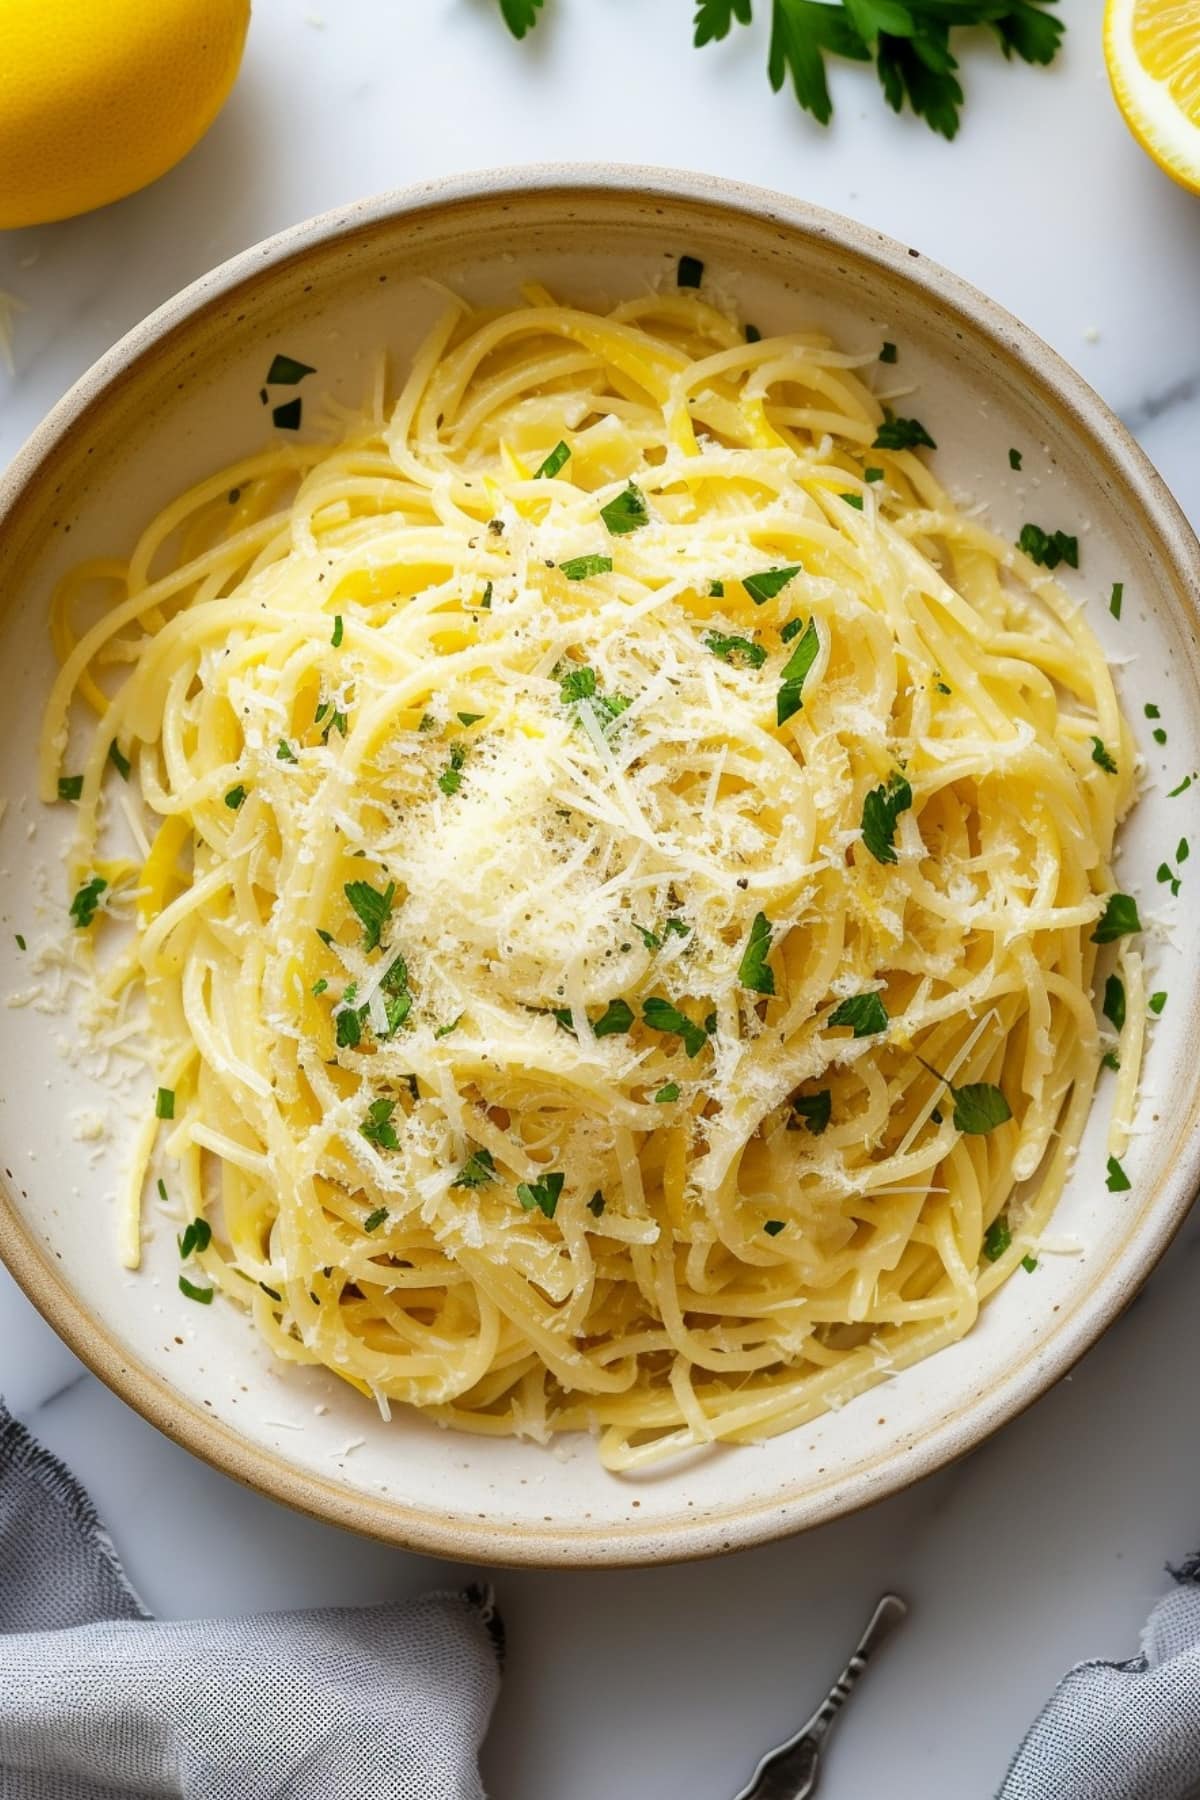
<point x="791" y="1771"/>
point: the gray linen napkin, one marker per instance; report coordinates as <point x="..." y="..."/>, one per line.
<point x="98" y="1701"/>
<point x="1124" y="1731"/>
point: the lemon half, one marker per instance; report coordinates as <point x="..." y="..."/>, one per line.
<point x="98" y="100"/>
<point x="1152" y="48"/>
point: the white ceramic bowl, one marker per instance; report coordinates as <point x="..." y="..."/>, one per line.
<point x="179" y="397"/>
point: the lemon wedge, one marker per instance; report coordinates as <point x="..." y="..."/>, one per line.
<point x="1152" y="49"/>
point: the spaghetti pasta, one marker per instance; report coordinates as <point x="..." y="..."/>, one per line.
<point x="621" y="862"/>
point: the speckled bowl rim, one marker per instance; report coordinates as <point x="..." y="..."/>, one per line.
<point x="1080" y="414"/>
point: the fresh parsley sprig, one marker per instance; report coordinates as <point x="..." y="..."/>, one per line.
<point x="907" y="40"/>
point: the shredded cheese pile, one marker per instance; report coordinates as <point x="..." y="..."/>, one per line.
<point x="623" y="863"/>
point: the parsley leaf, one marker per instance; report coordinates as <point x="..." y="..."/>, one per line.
<point x="450" y="779"/>
<point x="790" y="697"/>
<point x="979" y="1107"/>
<point x="338" y="631"/>
<point x="397" y="1001"/>
<point x="1110" y="1060"/>
<point x="543" y="1194"/>
<point x="1014" y="459"/>
<point x="378" y="1129"/>
<point x="1116" y="599"/>
<point x="1118" y="1181"/>
<point x="628" y="512"/>
<point x="881" y="811"/>
<point x="667" y="1093"/>
<point x="1157" y="1001"/>
<point x="445" y="1030"/>
<point x="728" y="647"/>
<point x="1114" y="1002"/>
<point x="1100" y="755"/>
<point x="1183" y="787"/>
<point x="580" y="568"/>
<point x="164" y="1103"/>
<point x="690" y="272"/>
<point x="375" y="1219"/>
<point x="477" y="1171"/>
<point x="70" y="787"/>
<point x="714" y="19"/>
<point x="902" y="434"/>
<point x="557" y="459"/>
<point x="864" y="1013"/>
<point x="815" y="1109"/>
<point x="1119" y="919"/>
<point x="520" y="15"/>
<point x="202" y="1296"/>
<point x="889" y="353"/>
<point x="773" y="1227"/>
<point x="596" y="1204"/>
<point x="577" y="684"/>
<point x="372" y="907"/>
<point x="660" y="1015"/>
<point x="754" y="971"/>
<point x="285" y="371"/>
<point x="87" y="900"/>
<point x="196" y="1236"/>
<point x="616" y="1017"/>
<point x="996" y="1239"/>
<point x="235" y="797"/>
<point x="769" y="582"/>
<point x="119" y="760"/>
<point x="1048" y="549"/>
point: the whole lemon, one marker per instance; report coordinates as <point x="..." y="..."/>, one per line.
<point x="98" y="99"/>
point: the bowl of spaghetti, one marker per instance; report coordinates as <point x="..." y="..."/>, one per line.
<point x="591" y="867"/>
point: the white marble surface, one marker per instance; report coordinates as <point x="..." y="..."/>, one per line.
<point x="1048" y="1544"/>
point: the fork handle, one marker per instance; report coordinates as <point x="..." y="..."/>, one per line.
<point x="883" y="1621"/>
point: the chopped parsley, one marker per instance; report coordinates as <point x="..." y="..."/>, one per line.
<point x="271" y="1293"/>
<point x="468" y="718"/>
<point x="1114" y="1002"/>
<point x="543" y="1194"/>
<point x="768" y="582"/>
<point x="729" y="648"/>
<point x="196" y="1236"/>
<point x="1110" y="1060"/>
<point x="978" y="1108"/>
<point x="1157" y="1001"/>
<point x="865" y="1014"/>
<point x="855" y="500"/>
<point x="996" y="1239"/>
<point x="881" y="812"/>
<point x="902" y="434"/>
<point x="374" y="909"/>
<point x="397" y="1000"/>
<point x="202" y="1296"/>
<point x="754" y="971"/>
<point x="349" y="1023"/>
<point x="164" y="1104"/>
<point x="21" y="944"/>
<point x="287" y="416"/>
<point x="70" y="787"/>
<point x="445" y="1030"/>
<point x="1014" y="459"/>
<point x="616" y="1017"/>
<point x="450" y="779"/>
<point x="1118" y="920"/>
<point x="318" y="988"/>
<point x="119" y="760"/>
<point x="1166" y="874"/>
<point x="773" y="1227"/>
<point x="1048" y="549"/>
<point x="235" y="797"/>
<point x="580" y="684"/>
<point x="888" y="354"/>
<point x="477" y="1171"/>
<point x="285" y="753"/>
<point x="716" y="590"/>
<point x="660" y="1015"/>
<point x="1100" y="755"/>
<point x="1115" y="599"/>
<point x="1182" y="850"/>
<point x="87" y="900"/>
<point x="378" y="1129"/>
<point x="1159" y="735"/>
<point x="596" y="1204"/>
<point x="285" y="371"/>
<point x="557" y="459"/>
<point x="666" y="1094"/>
<point x="794" y="674"/>
<point x="1029" y="1264"/>
<point x="1183" y="787"/>
<point x="690" y="272"/>
<point x="873" y="475"/>
<point x="628" y="512"/>
<point x="752" y="334"/>
<point x="815" y="1109"/>
<point x="486" y="602"/>
<point x="1118" y="1181"/>
<point x="1151" y="711"/>
<point x="339" y="631"/>
<point x="580" y="568"/>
